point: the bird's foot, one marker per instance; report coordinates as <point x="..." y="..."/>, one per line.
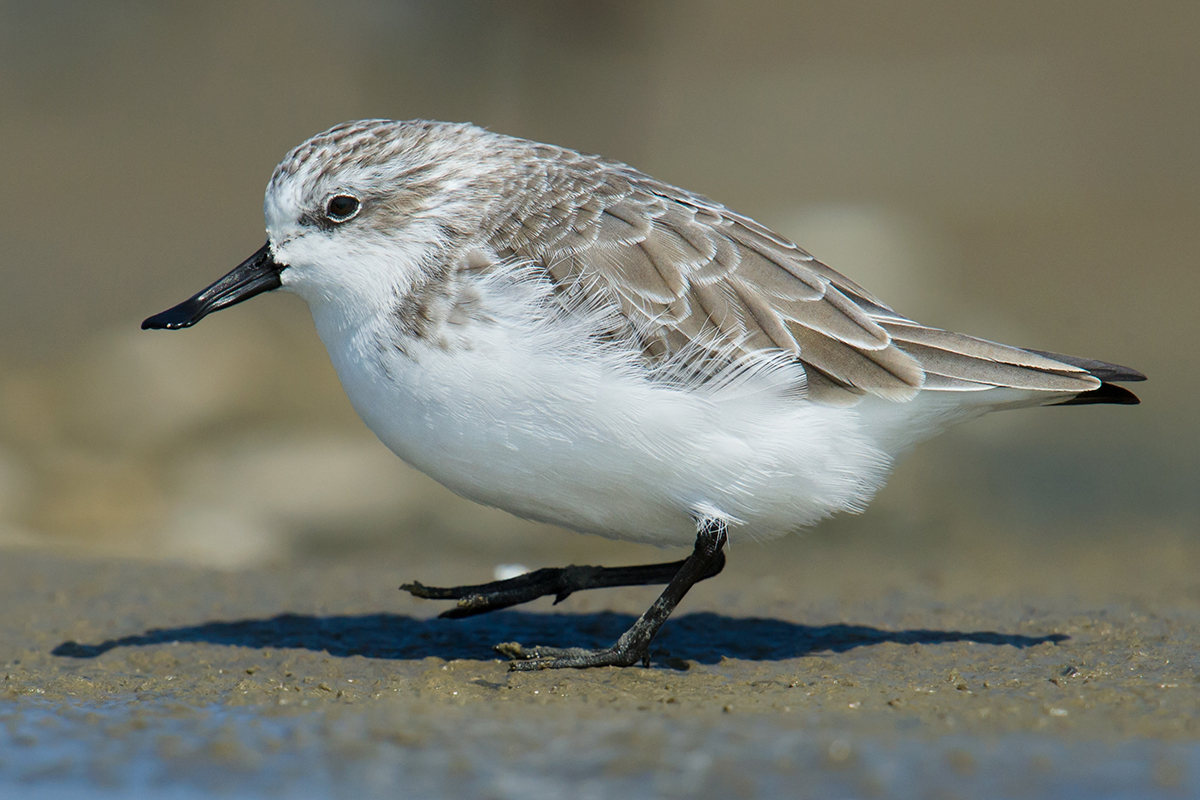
<point x="621" y="654"/>
<point x="559" y="582"/>
<point x="706" y="560"/>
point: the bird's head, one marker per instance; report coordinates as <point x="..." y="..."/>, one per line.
<point x="357" y="215"/>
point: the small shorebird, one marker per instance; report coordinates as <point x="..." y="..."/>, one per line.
<point x="570" y="340"/>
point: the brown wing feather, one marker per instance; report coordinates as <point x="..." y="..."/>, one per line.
<point x="960" y="358"/>
<point x="696" y="281"/>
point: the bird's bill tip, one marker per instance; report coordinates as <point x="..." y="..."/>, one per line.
<point x="174" y="318"/>
<point x="257" y="274"/>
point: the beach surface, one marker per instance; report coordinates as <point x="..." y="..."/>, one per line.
<point x="968" y="666"/>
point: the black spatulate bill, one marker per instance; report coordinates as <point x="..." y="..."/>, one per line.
<point x="257" y="274"/>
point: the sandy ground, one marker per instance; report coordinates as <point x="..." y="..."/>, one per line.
<point x="811" y="667"/>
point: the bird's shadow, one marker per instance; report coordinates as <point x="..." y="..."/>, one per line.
<point x="702" y="637"/>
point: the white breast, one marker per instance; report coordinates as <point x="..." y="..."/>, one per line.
<point x="528" y="414"/>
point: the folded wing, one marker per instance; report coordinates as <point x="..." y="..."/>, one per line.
<point x="699" y="285"/>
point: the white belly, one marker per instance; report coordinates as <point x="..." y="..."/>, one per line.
<point x="580" y="438"/>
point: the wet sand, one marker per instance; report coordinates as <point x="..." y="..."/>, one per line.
<point x="811" y="666"/>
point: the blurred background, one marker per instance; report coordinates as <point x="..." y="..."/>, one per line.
<point x="1022" y="171"/>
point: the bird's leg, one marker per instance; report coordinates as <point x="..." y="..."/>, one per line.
<point x="706" y="560"/>
<point x="558" y="581"/>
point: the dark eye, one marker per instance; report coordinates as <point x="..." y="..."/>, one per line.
<point x="342" y="207"/>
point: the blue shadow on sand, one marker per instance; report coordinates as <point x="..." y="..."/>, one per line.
<point x="702" y="637"/>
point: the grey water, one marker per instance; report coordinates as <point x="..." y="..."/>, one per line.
<point x="136" y="750"/>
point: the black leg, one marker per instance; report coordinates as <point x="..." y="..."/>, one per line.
<point x="558" y="581"/>
<point x="706" y="560"/>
